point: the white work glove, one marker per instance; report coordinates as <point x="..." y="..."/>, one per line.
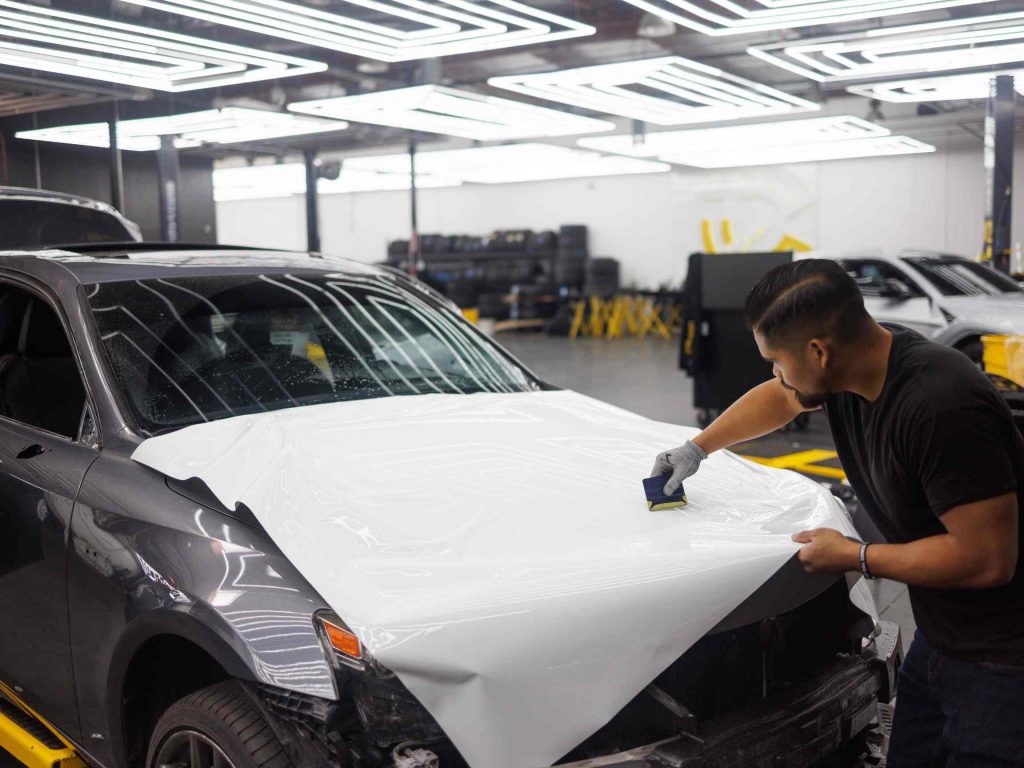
<point x="681" y="462"/>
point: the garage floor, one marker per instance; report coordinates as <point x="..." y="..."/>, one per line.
<point x="641" y="375"/>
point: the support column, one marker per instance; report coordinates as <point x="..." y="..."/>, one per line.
<point x="169" y="176"/>
<point x="414" y="237"/>
<point x="116" y="169"/>
<point x="312" y="211"/>
<point x="999" y="172"/>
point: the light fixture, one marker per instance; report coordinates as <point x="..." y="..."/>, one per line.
<point x="509" y="163"/>
<point x="733" y="17"/>
<point x="787" y="141"/>
<point x="271" y="181"/>
<point x="230" y="125"/>
<point x="813" y="130"/>
<point x="653" y="26"/>
<point x="435" y="109"/>
<point x="387" y="30"/>
<point x="918" y="50"/>
<point x="948" y="88"/>
<point x="738" y="157"/>
<point x="668" y="90"/>
<point x="39" y="38"/>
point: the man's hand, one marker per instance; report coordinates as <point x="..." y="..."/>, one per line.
<point x="826" y="550"/>
<point x="681" y="462"/>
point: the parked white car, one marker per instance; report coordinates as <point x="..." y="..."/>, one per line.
<point x="948" y="298"/>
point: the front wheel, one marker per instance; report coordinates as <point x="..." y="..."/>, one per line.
<point x="217" y="727"/>
<point x="974" y="349"/>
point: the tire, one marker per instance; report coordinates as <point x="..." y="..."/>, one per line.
<point x="974" y="349"/>
<point x="219" y="718"/>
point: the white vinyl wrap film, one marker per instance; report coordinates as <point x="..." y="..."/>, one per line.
<point x="496" y="551"/>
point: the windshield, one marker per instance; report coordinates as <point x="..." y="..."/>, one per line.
<point x="39" y="223"/>
<point x="194" y="349"/>
<point x="956" y="276"/>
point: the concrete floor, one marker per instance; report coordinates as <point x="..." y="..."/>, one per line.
<point x="642" y="376"/>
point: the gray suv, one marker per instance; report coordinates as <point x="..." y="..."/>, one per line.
<point x="143" y="623"/>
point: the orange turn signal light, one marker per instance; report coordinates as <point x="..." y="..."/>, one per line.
<point x="342" y="640"/>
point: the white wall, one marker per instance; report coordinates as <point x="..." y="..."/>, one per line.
<point x="652" y="222"/>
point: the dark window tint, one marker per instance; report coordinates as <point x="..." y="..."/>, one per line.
<point x="35" y="223"/>
<point x="956" y="276"/>
<point x="871" y="276"/>
<point x="188" y="350"/>
<point x="39" y="380"/>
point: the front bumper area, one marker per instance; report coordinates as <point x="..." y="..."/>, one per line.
<point x="790" y="730"/>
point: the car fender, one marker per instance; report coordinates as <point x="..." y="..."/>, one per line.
<point x="144" y="562"/>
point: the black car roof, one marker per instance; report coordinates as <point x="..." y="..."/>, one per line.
<point x="105" y="264"/>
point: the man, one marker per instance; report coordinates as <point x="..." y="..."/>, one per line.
<point x="931" y="450"/>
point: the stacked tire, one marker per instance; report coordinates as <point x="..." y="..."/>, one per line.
<point x="571" y="256"/>
<point x="602" y="277"/>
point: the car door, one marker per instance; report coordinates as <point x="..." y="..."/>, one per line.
<point x="914" y="310"/>
<point x="42" y="465"/>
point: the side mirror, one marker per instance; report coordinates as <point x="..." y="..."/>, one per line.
<point x="896" y="290"/>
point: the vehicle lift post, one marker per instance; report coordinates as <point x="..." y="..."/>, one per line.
<point x="999" y="171"/>
<point x="168" y="169"/>
<point x="312" y="214"/>
<point x="116" y="169"/>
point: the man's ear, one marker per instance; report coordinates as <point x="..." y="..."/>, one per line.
<point x="820" y="352"/>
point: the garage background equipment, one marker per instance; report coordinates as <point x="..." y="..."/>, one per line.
<point x="717" y="350"/>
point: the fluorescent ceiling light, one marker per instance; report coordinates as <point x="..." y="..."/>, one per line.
<point x="789" y="141"/>
<point x="230" y="125"/>
<point x="917" y="50"/>
<point x="271" y="181"/>
<point x="669" y="90"/>
<point x="434" y="109"/>
<point x="733" y="17"/>
<point x="737" y="157"/>
<point x="813" y="130"/>
<point x="387" y="30"/>
<point x="43" y="39"/>
<point x="949" y="88"/>
<point x="509" y="163"/>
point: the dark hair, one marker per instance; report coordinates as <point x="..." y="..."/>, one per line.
<point x="806" y="299"/>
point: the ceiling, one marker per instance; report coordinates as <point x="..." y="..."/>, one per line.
<point x="55" y="97"/>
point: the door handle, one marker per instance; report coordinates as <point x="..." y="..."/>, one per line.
<point x="32" y="451"/>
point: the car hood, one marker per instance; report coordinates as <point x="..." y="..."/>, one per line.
<point x="998" y="313"/>
<point x="496" y="551"/>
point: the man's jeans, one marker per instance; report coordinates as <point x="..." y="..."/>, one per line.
<point x="956" y="714"/>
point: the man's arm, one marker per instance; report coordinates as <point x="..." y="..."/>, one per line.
<point x="978" y="551"/>
<point x="760" y="411"/>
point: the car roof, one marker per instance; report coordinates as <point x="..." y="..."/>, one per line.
<point x="23" y="193"/>
<point x="135" y="261"/>
<point x="881" y="255"/>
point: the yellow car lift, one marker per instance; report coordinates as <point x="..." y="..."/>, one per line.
<point x="29" y="738"/>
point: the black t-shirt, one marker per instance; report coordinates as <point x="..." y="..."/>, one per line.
<point x="938" y="436"/>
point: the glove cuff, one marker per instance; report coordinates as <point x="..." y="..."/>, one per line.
<point x="699" y="452"/>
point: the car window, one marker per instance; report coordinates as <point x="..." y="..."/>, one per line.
<point x="40" y="384"/>
<point x="39" y="223"/>
<point x="189" y="350"/>
<point x="957" y="276"/>
<point x="871" y="275"/>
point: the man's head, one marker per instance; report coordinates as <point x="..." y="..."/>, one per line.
<point x="804" y="316"/>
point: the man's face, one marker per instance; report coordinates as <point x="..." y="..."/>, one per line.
<point x="801" y="368"/>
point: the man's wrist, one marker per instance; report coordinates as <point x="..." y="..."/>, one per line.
<point x="699" y="441"/>
<point x="851" y="560"/>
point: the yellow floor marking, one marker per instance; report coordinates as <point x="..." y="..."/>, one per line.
<point x="803" y="461"/>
